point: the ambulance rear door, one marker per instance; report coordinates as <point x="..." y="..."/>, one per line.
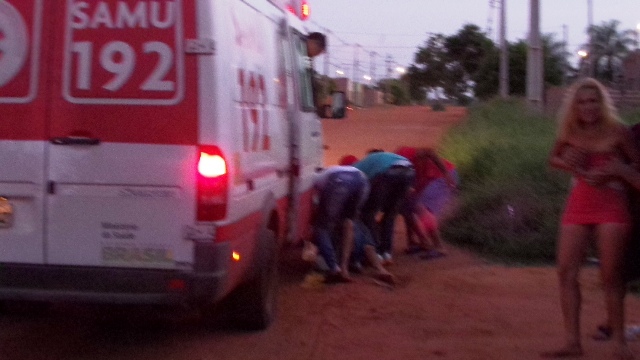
<point x="22" y="130"/>
<point x="122" y="134"/>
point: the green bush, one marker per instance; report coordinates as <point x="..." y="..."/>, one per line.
<point x="510" y="200"/>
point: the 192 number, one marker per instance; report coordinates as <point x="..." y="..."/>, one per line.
<point x="119" y="59"/>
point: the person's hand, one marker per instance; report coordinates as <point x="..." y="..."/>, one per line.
<point x="604" y="173"/>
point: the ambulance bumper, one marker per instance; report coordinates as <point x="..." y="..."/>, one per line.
<point x="107" y="285"/>
<point x="203" y="284"/>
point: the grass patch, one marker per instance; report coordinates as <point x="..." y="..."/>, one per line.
<point x="510" y="199"/>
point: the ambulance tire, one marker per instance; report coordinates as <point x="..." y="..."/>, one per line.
<point x="254" y="302"/>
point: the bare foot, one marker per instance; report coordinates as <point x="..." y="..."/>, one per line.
<point x="386" y="277"/>
<point x="565" y="352"/>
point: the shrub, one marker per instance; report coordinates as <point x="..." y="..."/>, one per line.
<point x="510" y="200"/>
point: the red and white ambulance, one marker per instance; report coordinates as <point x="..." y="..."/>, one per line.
<point x="153" y="151"/>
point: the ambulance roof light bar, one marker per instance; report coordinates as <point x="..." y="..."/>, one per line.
<point x="299" y="8"/>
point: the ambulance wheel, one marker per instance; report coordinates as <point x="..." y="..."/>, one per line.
<point x="255" y="301"/>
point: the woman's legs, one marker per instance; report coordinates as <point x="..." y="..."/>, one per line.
<point x="572" y="246"/>
<point x="612" y="243"/>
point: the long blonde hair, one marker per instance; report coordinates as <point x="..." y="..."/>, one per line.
<point x="568" y="119"/>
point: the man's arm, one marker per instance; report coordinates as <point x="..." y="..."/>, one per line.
<point x="626" y="172"/>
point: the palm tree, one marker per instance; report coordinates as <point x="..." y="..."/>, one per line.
<point x="609" y="46"/>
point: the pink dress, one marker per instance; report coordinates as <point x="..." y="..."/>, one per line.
<point x="587" y="204"/>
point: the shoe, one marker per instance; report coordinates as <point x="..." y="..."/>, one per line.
<point x="387" y="259"/>
<point x="355" y="267"/>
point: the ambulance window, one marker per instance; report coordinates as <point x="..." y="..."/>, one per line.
<point x="305" y="68"/>
<point x="284" y="75"/>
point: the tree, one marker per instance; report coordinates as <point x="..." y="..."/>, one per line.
<point x="466" y="51"/>
<point x="429" y="70"/>
<point x="449" y="62"/>
<point x="555" y="67"/>
<point x="468" y="47"/>
<point x="608" y="47"/>
<point x="468" y="63"/>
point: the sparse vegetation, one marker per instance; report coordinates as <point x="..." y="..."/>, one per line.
<point x="510" y="199"/>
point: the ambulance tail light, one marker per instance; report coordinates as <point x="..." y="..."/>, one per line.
<point x="213" y="184"/>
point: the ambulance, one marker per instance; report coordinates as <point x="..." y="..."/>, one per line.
<point x="154" y="152"/>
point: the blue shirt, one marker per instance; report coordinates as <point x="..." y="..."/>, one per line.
<point x="379" y="162"/>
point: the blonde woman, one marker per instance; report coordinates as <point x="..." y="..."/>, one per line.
<point x="591" y="132"/>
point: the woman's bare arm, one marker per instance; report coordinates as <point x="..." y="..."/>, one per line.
<point x="566" y="157"/>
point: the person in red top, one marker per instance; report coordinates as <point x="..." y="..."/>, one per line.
<point x="432" y="193"/>
<point x="593" y="209"/>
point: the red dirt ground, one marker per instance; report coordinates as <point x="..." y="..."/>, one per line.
<point x="457" y="307"/>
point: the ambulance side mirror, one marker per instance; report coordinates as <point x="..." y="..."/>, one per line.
<point x="337" y="108"/>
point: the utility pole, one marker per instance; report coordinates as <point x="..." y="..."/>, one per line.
<point x="354" y="74"/>
<point x="590" y="54"/>
<point x="372" y="66"/>
<point x="504" y="52"/>
<point x="565" y="41"/>
<point x="535" y="68"/>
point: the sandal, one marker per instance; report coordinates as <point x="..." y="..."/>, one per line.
<point x="414" y="249"/>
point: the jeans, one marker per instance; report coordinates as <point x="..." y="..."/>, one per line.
<point x="340" y="200"/>
<point x="388" y="191"/>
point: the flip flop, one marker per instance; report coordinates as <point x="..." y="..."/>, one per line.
<point x="336" y="278"/>
<point x="432" y="254"/>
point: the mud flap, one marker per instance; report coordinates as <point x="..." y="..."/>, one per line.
<point x="252" y="306"/>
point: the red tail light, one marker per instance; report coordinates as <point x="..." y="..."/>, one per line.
<point x="305" y="10"/>
<point x="213" y="180"/>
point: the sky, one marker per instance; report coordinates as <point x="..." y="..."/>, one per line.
<point x="385" y="34"/>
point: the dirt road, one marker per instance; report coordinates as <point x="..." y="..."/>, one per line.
<point x="457" y="307"/>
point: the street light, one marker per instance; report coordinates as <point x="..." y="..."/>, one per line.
<point x="340" y="72"/>
<point x="584" y="62"/>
